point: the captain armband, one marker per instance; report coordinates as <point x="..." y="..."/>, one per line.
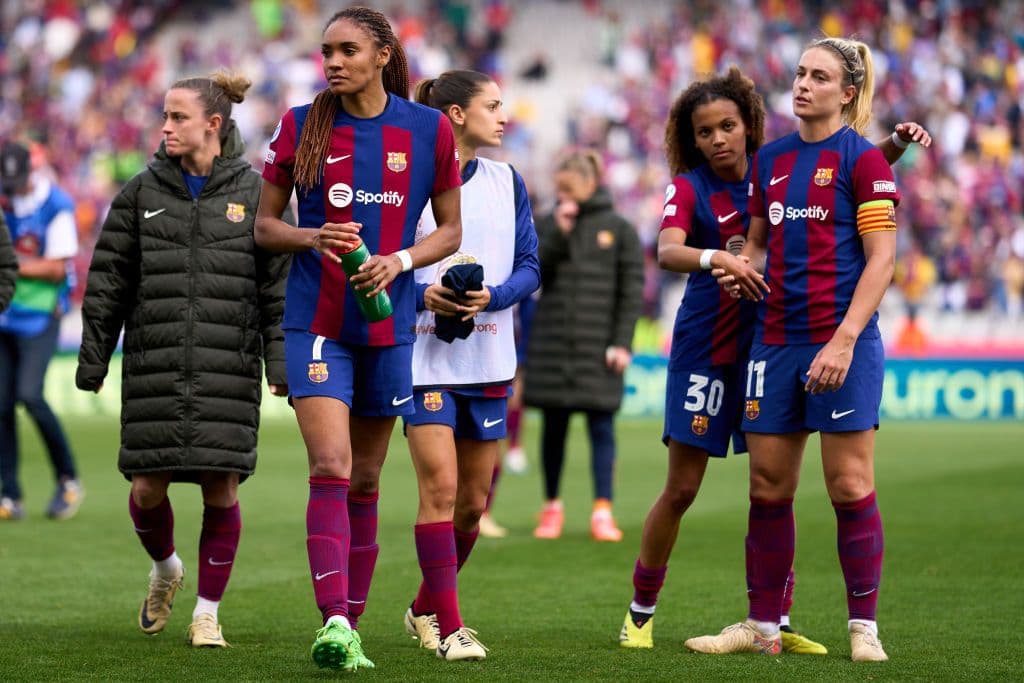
<point x="876" y="216"/>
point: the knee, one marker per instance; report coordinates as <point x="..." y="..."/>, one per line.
<point x="847" y="487"/>
<point x="771" y="485"/>
<point x="32" y="400"/>
<point x="469" y="509"/>
<point x="438" y="495"/>
<point x="220" y="490"/>
<point x="365" y="479"/>
<point x="329" y="463"/>
<point x="679" y="499"/>
<point x="148" y="492"/>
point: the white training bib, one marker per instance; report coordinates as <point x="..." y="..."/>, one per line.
<point x="488" y="355"/>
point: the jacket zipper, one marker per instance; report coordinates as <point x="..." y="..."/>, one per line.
<point x="189" y="336"/>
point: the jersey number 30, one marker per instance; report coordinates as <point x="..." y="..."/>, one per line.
<point x="697" y="398"/>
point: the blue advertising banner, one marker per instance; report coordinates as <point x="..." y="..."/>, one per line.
<point x="915" y="389"/>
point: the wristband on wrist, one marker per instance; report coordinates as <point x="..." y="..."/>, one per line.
<point x="705" y="258"/>
<point x="406" y="258"/>
<point x="899" y="142"/>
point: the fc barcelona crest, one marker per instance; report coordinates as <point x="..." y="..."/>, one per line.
<point x="432" y="401"/>
<point x="235" y="213"/>
<point x="397" y="161"/>
<point x="823" y="176"/>
<point x="318" y="372"/>
<point x="700" y="425"/>
<point x="753" y="409"/>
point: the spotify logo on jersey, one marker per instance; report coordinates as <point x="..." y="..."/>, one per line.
<point x="340" y="195"/>
<point x="775" y="212"/>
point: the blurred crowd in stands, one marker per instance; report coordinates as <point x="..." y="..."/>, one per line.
<point x="85" y="80"/>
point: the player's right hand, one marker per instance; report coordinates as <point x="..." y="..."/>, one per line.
<point x="340" y="236"/>
<point x="441" y="301"/>
<point x="565" y="215"/>
<point x="736" y="276"/>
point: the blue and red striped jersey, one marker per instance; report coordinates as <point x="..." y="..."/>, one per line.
<point x="809" y="194"/>
<point x="379" y="172"/>
<point x="710" y="325"/>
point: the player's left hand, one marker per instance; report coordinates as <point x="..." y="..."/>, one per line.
<point x="476" y="301"/>
<point x="617" y="359"/>
<point x="376" y="273"/>
<point x="278" y="389"/>
<point x="911" y="131"/>
<point x="830" y="365"/>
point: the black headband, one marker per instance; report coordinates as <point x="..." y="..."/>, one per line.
<point x="833" y="46"/>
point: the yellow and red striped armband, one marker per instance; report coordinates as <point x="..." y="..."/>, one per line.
<point x="876" y="216"/>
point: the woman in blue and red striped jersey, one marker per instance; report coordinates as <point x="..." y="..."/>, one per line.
<point x="462" y="385"/>
<point x="364" y="161"/>
<point x="714" y="127"/>
<point x="823" y="225"/>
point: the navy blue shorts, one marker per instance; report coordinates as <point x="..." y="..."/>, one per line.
<point x="374" y="381"/>
<point x="777" y="403"/>
<point x="470" y="417"/>
<point x="702" y="409"/>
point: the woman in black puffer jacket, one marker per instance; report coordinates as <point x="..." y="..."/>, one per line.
<point x="176" y="265"/>
<point x="591" y="266"/>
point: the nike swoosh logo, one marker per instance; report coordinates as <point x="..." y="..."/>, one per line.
<point x="399" y="401"/>
<point x="150" y="214"/>
<point x="144" y="619"/>
<point x="722" y="219"/>
<point x="334" y="160"/>
<point x="776" y="181"/>
<point x="864" y="594"/>
<point x="142" y="531"/>
<point x="491" y="423"/>
<point x="324" y="576"/>
<point x="836" y="416"/>
<point x="218" y="564"/>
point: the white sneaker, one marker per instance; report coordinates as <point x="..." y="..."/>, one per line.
<point x="865" y="646"/>
<point x="741" y="637"/>
<point x="461" y="645"/>
<point x="206" y="632"/>
<point x="423" y="628"/>
<point x="156" y="608"/>
<point x="491" y="529"/>
<point x="515" y="460"/>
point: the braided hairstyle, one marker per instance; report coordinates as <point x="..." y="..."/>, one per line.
<point x="217" y="92"/>
<point x="680" y="140"/>
<point x="316" y="133"/>
<point x="855" y="61"/>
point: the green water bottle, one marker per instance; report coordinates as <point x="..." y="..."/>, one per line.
<point x="375" y="308"/>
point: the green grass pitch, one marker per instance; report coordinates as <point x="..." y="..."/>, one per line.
<point x="952" y="499"/>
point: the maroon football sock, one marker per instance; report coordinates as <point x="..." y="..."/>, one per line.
<point x="155" y="527"/>
<point x="861" y="545"/>
<point x="362" y="559"/>
<point x="327" y="541"/>
<point x="771" y="541"/>
<point x="435" y="548"/>
<point x="218" y="543"/>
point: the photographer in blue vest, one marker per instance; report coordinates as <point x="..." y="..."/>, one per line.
<point x="41" y="219"/>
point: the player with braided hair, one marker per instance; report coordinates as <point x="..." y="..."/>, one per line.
<point x="364" y="161"/>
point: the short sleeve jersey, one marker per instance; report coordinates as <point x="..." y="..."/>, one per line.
<point x="711" y="327"/>
<point x="379" y="172"/>
<point x="809" y="194"/>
